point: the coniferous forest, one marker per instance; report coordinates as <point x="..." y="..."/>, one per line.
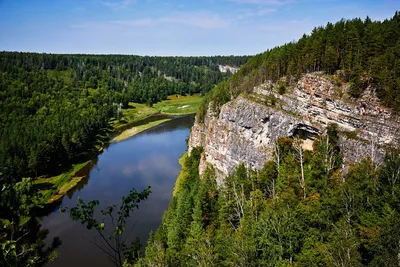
<point x="272" y="217"/>
<point x="56" y="111"/>
<point x="363" y="52"/>
<point x="54" y="107"/>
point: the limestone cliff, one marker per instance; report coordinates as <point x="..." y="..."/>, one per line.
<point x="226" y="68"/>
<point x="246" y="128"/>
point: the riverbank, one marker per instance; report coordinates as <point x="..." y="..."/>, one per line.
<point x="136" y="130"/>
<point x="54" y="188"/>
<point x="179" y="105"/>
<point x="149" y="159"/>
<point x="174" y="105"/>
<point x="182" y="173"/>
<point x="136" y="119"/>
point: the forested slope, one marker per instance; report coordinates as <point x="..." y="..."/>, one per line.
<point x="55" y="108"/>
<point x="265" y="218"/>
<point x="302" y="208"/>
<point x="362" y="52"/>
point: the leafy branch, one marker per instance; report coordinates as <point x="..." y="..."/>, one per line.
<point x="112" y="242"/>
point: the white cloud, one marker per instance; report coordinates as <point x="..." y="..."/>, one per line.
<point x="256" y="13"/>
<point x="136" y="22"/>
<point x="195" y="19"/>
<point x="262" y="2"/>
<point x="118" y="4"/>
<point x="266" y="11"/>
<point x="152" y="167"/>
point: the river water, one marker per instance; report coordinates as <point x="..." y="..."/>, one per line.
<point x="147" y="159"/>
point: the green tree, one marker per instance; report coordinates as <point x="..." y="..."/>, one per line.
<point x="112" y="240"/>
<point x="21" y="236"/>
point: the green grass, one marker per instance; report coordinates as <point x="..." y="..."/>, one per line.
<point x="176" y="104"/>
<point x="56" y="187"/>
<point x="138" y="129"/>
<point x="182" y="174"/>
<point x="136" y="112"/>
<point x="53" y="188"/>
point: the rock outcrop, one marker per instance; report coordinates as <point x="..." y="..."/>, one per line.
<point x="246" y="128"/>
<point x="226" y="68"/>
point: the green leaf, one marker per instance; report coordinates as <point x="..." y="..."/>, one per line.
<point x="24" y="220"/>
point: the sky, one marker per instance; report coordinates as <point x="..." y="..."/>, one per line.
<point x="171" y="27"/>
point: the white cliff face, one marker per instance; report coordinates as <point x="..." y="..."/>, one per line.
<point x="246" y="129"/>
<point x="226" y="68"/>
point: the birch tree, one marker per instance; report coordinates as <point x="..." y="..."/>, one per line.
<point x="300" y="158"/>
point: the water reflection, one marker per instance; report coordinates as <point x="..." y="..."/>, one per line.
<point x="85" y="173"/>
<point x="150" y="158"/>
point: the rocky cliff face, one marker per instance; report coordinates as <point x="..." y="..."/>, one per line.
<point x="246" y="128"/>
<point x="226" y="68"/>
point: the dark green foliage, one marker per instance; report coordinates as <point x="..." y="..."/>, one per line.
<point x="385" y="250"/>
<point x="21" y="237"/>
<point x="113" y="242"/>
<point x="366" y="52"/>
<point x="266" y="179"/>
<point x="357" y="86"/>
<point x="281" y="88"/>
<point x="262" y="218"/>
<point x="55" y="109"/>
<point x="390" y="176"/>
<point x="270" y="100"/>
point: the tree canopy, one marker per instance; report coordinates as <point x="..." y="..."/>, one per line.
<point x="296" y="211"/>
<point x="363" y="52"/>
<point x="55" y="107"/>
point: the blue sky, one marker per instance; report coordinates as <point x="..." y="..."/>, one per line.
<point x="171" y="27"/>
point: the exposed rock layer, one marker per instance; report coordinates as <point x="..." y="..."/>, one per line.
<point x="246" y="128"/>
<point x="226" y="68"/>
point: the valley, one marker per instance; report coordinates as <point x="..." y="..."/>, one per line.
<point x="288" y="157"/>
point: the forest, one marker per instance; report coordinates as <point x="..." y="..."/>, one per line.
<point x="361" y="52"/>
<point x="56" y="108"/>
<point x="299" y="210"/>
<point x="56" y="111"/>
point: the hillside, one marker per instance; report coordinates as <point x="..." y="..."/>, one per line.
<point x="248" y="128"/>
<point x="56" y="109"/>
<point x="294" y="161"/>
<point x="363" y="53"/>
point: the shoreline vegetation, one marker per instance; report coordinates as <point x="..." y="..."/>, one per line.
<point x="54" y="188"/>
<point x="182" y="173"/>
<point x="136" y="130"/>
<point x="142" y="117"/>
<point x="135" y="119"/>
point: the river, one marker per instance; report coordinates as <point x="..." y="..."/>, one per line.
<point x="147" y="159"/>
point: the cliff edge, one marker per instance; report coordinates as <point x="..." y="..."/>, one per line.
<point x="246" y="128"/>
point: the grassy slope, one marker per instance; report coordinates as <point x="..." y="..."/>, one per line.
<point x="174" y="105"/>
<point x="136" y="112"/>
<point x="182" y="174"/>
<point x="177" y="104"/>
<point x="55" y="187"/>
<point x="138" y="129"/>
